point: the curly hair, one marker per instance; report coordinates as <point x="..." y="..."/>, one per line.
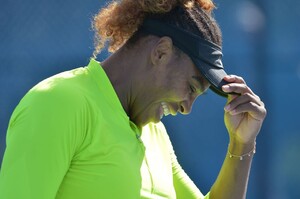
<point x="119" y="22"/>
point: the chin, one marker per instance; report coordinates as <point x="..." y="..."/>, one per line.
<point x="150" y="120"/>
<point x="155" y="120"/>
<point x="145" y="119"/>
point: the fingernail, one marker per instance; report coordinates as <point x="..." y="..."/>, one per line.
<point x="227" y="107"/>
<point x="225" y="88"/>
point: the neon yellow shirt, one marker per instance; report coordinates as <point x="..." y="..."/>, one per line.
<point x="70" y="138"/>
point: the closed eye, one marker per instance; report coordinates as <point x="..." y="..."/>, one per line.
<point x="193" y="89"/>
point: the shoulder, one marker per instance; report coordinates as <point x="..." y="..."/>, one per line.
<point x="65" y="83"/>
<point x="64" y="87"/>
<point x="58" y="95"/>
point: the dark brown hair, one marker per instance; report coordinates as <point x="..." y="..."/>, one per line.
<point x="119" y="22"/>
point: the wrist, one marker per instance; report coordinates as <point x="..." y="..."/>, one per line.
<point x="241" y="150"/>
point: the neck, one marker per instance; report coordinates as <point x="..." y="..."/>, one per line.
<point x="124" y="68"/>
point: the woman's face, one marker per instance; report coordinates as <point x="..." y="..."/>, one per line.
<point x="170" y="88"/>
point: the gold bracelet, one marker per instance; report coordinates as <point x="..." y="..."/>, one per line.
<point x="241" y="157"/>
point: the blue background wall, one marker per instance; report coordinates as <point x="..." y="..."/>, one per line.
<point x="39" y="38"/>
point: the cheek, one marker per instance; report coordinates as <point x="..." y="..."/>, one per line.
<point x="179" y="91"/>
<point x="174" y="85"/>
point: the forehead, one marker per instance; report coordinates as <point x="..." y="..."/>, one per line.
<point x="192" y="70"/>
<point x="189" y="65"/>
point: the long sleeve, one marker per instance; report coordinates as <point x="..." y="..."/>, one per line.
<point x="44" y="133"/>
<point x="184" y="186"/>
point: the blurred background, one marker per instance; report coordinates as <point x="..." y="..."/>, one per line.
<point x="39" y="38"/>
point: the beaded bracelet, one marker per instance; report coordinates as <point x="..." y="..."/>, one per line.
<point x="241" y="157"/>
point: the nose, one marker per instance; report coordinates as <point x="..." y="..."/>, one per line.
<point x="186" y="106"/>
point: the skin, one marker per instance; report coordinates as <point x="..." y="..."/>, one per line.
<point x="243" y="118"/>
<point x="151" y="72"/>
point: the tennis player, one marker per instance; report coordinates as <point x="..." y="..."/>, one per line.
<point x="95" y="132"/>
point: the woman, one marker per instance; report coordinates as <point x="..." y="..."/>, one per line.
<point x="95" y="132"/>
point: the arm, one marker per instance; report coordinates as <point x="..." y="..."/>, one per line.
<point x="42" y="137"/>
<point x="183" y="185"/>
<point x="244" y="115"/>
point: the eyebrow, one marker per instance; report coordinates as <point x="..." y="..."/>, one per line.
<point x="201" y="83"/>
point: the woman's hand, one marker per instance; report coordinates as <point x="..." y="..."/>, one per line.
<point x="244" y="113"/>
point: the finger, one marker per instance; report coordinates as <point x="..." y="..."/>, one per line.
<point x="245" y="98"/>
<point x="257" y="112"/>
<point x="234" y="78"/>
<point x="240" y="88"/>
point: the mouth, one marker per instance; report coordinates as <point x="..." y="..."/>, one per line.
<point x="166" y="110"/>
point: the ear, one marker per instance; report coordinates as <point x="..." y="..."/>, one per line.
<point x="162" y="51"/>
